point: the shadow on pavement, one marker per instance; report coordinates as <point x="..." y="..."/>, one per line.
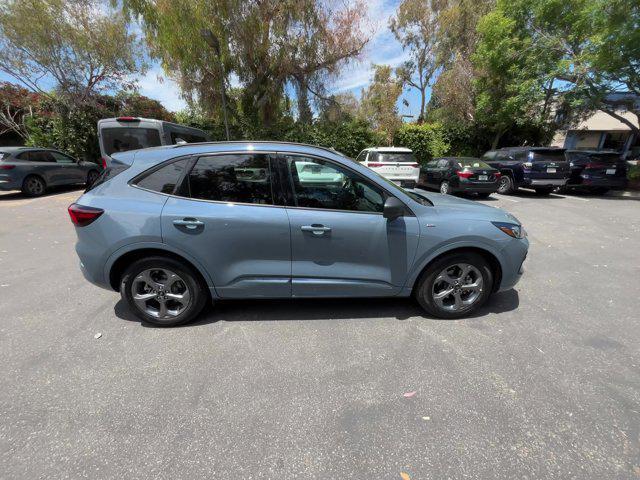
<point x="17" y="195"/>
<point x="323" y="309"/>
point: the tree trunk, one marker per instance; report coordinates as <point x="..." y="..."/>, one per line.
<point x="305" y="116"/>
<point x="496" y="139"/>
<point x="423" y="95"/>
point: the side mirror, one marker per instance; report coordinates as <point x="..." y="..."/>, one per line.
<point x="393" y="208"/>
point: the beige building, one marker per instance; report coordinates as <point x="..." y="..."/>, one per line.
<point x="600" y="131"/>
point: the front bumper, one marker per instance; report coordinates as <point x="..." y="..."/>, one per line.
<point x="512" y="261"/>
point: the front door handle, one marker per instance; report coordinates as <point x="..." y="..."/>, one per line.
<point x="190" y="223"/>
<point x="316" y="229"/>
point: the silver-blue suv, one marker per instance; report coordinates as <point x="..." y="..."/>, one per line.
<point x="172" y="227"/>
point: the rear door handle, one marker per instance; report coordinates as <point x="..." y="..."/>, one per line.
<point x="190" y="223"/>
<point x="316" y="229"/>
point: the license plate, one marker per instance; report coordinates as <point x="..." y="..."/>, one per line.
<point x="483" y="178"/>
<point x="611" y="171"/>
<point x="551" y="170"/>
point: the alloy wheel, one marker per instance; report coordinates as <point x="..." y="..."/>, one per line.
<point x="457" y="287"/>
<point x="504" y="185"/>
<point x="444" y="188"/>
<point x="34" y="186"/>
<point x="160" y="293"/>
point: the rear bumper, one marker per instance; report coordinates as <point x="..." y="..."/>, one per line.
<point x="9" y="184"/>
<point x="597" y="182"/>
<point x="545" y="182"/>
<point x="477" y="187"/>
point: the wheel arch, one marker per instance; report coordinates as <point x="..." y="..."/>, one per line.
<point x="490" y="257"/>
<point x="118" y="264"/>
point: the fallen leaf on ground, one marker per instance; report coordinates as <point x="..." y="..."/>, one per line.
<point x="409" y="394"/>
<point x="405" y="476"/>
<point x="97" y="335"/>
<point x="426" y="418"/>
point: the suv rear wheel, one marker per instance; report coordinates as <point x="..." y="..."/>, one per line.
<point x="163" y="291"/>
<point x="505" y="185"/>
<point x="33" y="186"/>
<point x="455" y="285"/>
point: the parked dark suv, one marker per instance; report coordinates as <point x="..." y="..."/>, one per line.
<point x="539" y="168"/>
<point x="460" y="174"/>
<point x="595" y="171"/>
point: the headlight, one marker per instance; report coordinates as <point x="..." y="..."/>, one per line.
<point x="512" y="229"/>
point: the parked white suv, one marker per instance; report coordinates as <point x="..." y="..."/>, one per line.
<point x="394" y="163"/>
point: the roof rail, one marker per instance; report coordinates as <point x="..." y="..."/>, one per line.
<point x="278" y="142"/>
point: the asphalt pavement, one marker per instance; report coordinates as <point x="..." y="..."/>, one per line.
<point x="544" y="382"/>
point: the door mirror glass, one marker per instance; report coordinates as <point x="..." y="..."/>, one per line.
<point x="393" y="208"/>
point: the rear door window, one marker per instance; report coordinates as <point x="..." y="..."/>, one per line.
<point x="62" y="158"/>
<point x="129" y="138"/>
<point x="165" y="178"/>
<point x="237" y="178"/>
<point x="37" y="156"/>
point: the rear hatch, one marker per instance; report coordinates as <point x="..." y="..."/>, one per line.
<point x="395" y="165"/>
<point x="599" y="164"/>
<point x="548" y="163"/>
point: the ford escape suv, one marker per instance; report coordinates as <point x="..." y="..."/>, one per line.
<point x="172" y="227"/>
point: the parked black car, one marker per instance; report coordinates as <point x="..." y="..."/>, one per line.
<point x="539" y="168"/>
<point x="33" y="170"/>
<point x="595" y="171"/>
<point x="460" y="174"/>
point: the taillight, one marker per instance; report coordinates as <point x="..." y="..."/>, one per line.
<point x="497" y="174"/>
<point x="82" y="216"/>
<point x="374" y="164"/>
<point x="7" y="167"/>
<point x="464" y="174"/>
<point x="104" y="162"/>
<point x="597" y="165"/>
<point x="128" y="119"/>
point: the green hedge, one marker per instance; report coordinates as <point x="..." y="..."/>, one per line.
<point x="427" y="141"/>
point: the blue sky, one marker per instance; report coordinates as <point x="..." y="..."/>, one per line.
<point x="382" y="49"/>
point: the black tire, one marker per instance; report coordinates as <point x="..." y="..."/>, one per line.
<point x="424" y="291"/>
<point x="544" y="191"/>
<point x="92" y="176"/>
<point x="198" y="293"/>
<point x="445" y="188"/>
<point x="506" y="185"/>
<point x="599" y="190"/>
<point x="33" y="186"/>
<point x="483" y="194"/>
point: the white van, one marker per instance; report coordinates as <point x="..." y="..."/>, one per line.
<point x="394" y="163"/>
<point x="132" y="133"/>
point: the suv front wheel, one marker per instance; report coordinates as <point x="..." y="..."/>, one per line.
<point x="163" y="291"/>
<point x="455" y="285"/>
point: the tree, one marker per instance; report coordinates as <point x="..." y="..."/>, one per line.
<point x="264" y="46"/>
<point x="76" y="47"/>
<point x="137" y="105"/>
<point x="414" y="26"/>
<point x="16" y="106"/>
<point x="583" y="50"/>
<point x="378" y="102"/>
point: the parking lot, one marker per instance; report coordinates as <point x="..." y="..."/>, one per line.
<point x="543" y="383"/>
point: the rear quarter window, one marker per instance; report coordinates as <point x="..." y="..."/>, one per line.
<point x="165" y="178"/>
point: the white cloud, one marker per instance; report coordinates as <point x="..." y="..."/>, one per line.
<point x="155" y="84"/>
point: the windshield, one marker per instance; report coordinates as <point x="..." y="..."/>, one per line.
<point x="396" y="157"/>
<point x="422" y="200"/>
<point x="129" y="138"/>
<point x="471" y="163"/>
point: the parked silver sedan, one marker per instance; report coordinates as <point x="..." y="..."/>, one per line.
<point x="33" y="170"/>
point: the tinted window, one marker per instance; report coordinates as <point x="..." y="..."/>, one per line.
<point x="232" y="178"/>
<point x="321" y="184"/>
<point x="39" y="156"/>
<point x="165" y="178"/>
<point x="107" y="174"/>
<point x="177" y="137"/>
<point x="554" y="155"/>
<point x="443" y="163"/>
<point x="406" y="157"/>
<point x="129" y="138"/>
<point x="361" y="156"/>
<point x="472" y="163"/>
<point x="61" y="158"/>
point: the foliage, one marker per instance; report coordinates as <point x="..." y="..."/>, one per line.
<point x="76" y="44"/>
<point x="263" y="46"/>
<point x="16" y="105"/>
<point x="427" y="141"/>
<point x="378" y="103"/>
<point x="414" y="26"/>
<point x="349" y="137"/>
<point x="137" y="105"/>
